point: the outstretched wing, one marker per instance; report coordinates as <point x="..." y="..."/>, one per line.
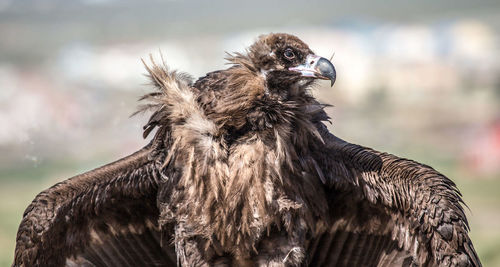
<point x="105" y="217"/>
<point x="388" y="211"/>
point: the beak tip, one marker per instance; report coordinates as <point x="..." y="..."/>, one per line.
<point x="333" y="79"/>
<point x="326" y="68"/>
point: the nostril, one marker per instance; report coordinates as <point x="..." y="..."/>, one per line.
<point x="312" y="62"/>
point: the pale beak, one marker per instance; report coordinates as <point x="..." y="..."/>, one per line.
<point x="317" y="67"/>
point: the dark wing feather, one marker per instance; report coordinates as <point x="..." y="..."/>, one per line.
<point x="388" y="211"/>
<point x="105" y="217"/>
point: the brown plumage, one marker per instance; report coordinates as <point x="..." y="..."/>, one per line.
<point x="242" y="171"/>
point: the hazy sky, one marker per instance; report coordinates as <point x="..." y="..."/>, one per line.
<point x="30" y="28"/>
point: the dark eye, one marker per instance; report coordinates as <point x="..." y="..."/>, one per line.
<point x="289" y="54"/>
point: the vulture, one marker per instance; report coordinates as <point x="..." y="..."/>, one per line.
<point x="242" y="171"/>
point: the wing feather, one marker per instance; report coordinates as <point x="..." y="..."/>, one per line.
<point x="388" y="211"/>
<point x="105" y="217"/>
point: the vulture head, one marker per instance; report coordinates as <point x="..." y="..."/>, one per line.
<point x="287" y="62"/>
<point x="266" y="85"/>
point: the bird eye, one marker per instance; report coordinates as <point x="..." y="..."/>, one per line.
<point x="289" y="54"/>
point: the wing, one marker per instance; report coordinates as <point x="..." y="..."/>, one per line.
<point x="105" y="217"/>
<point x="388" y="211"/>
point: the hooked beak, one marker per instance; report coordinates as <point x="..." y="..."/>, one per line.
<point x="317" y="67"/>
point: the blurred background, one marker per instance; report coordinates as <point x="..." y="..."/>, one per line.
<point x="420" y="79"/>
